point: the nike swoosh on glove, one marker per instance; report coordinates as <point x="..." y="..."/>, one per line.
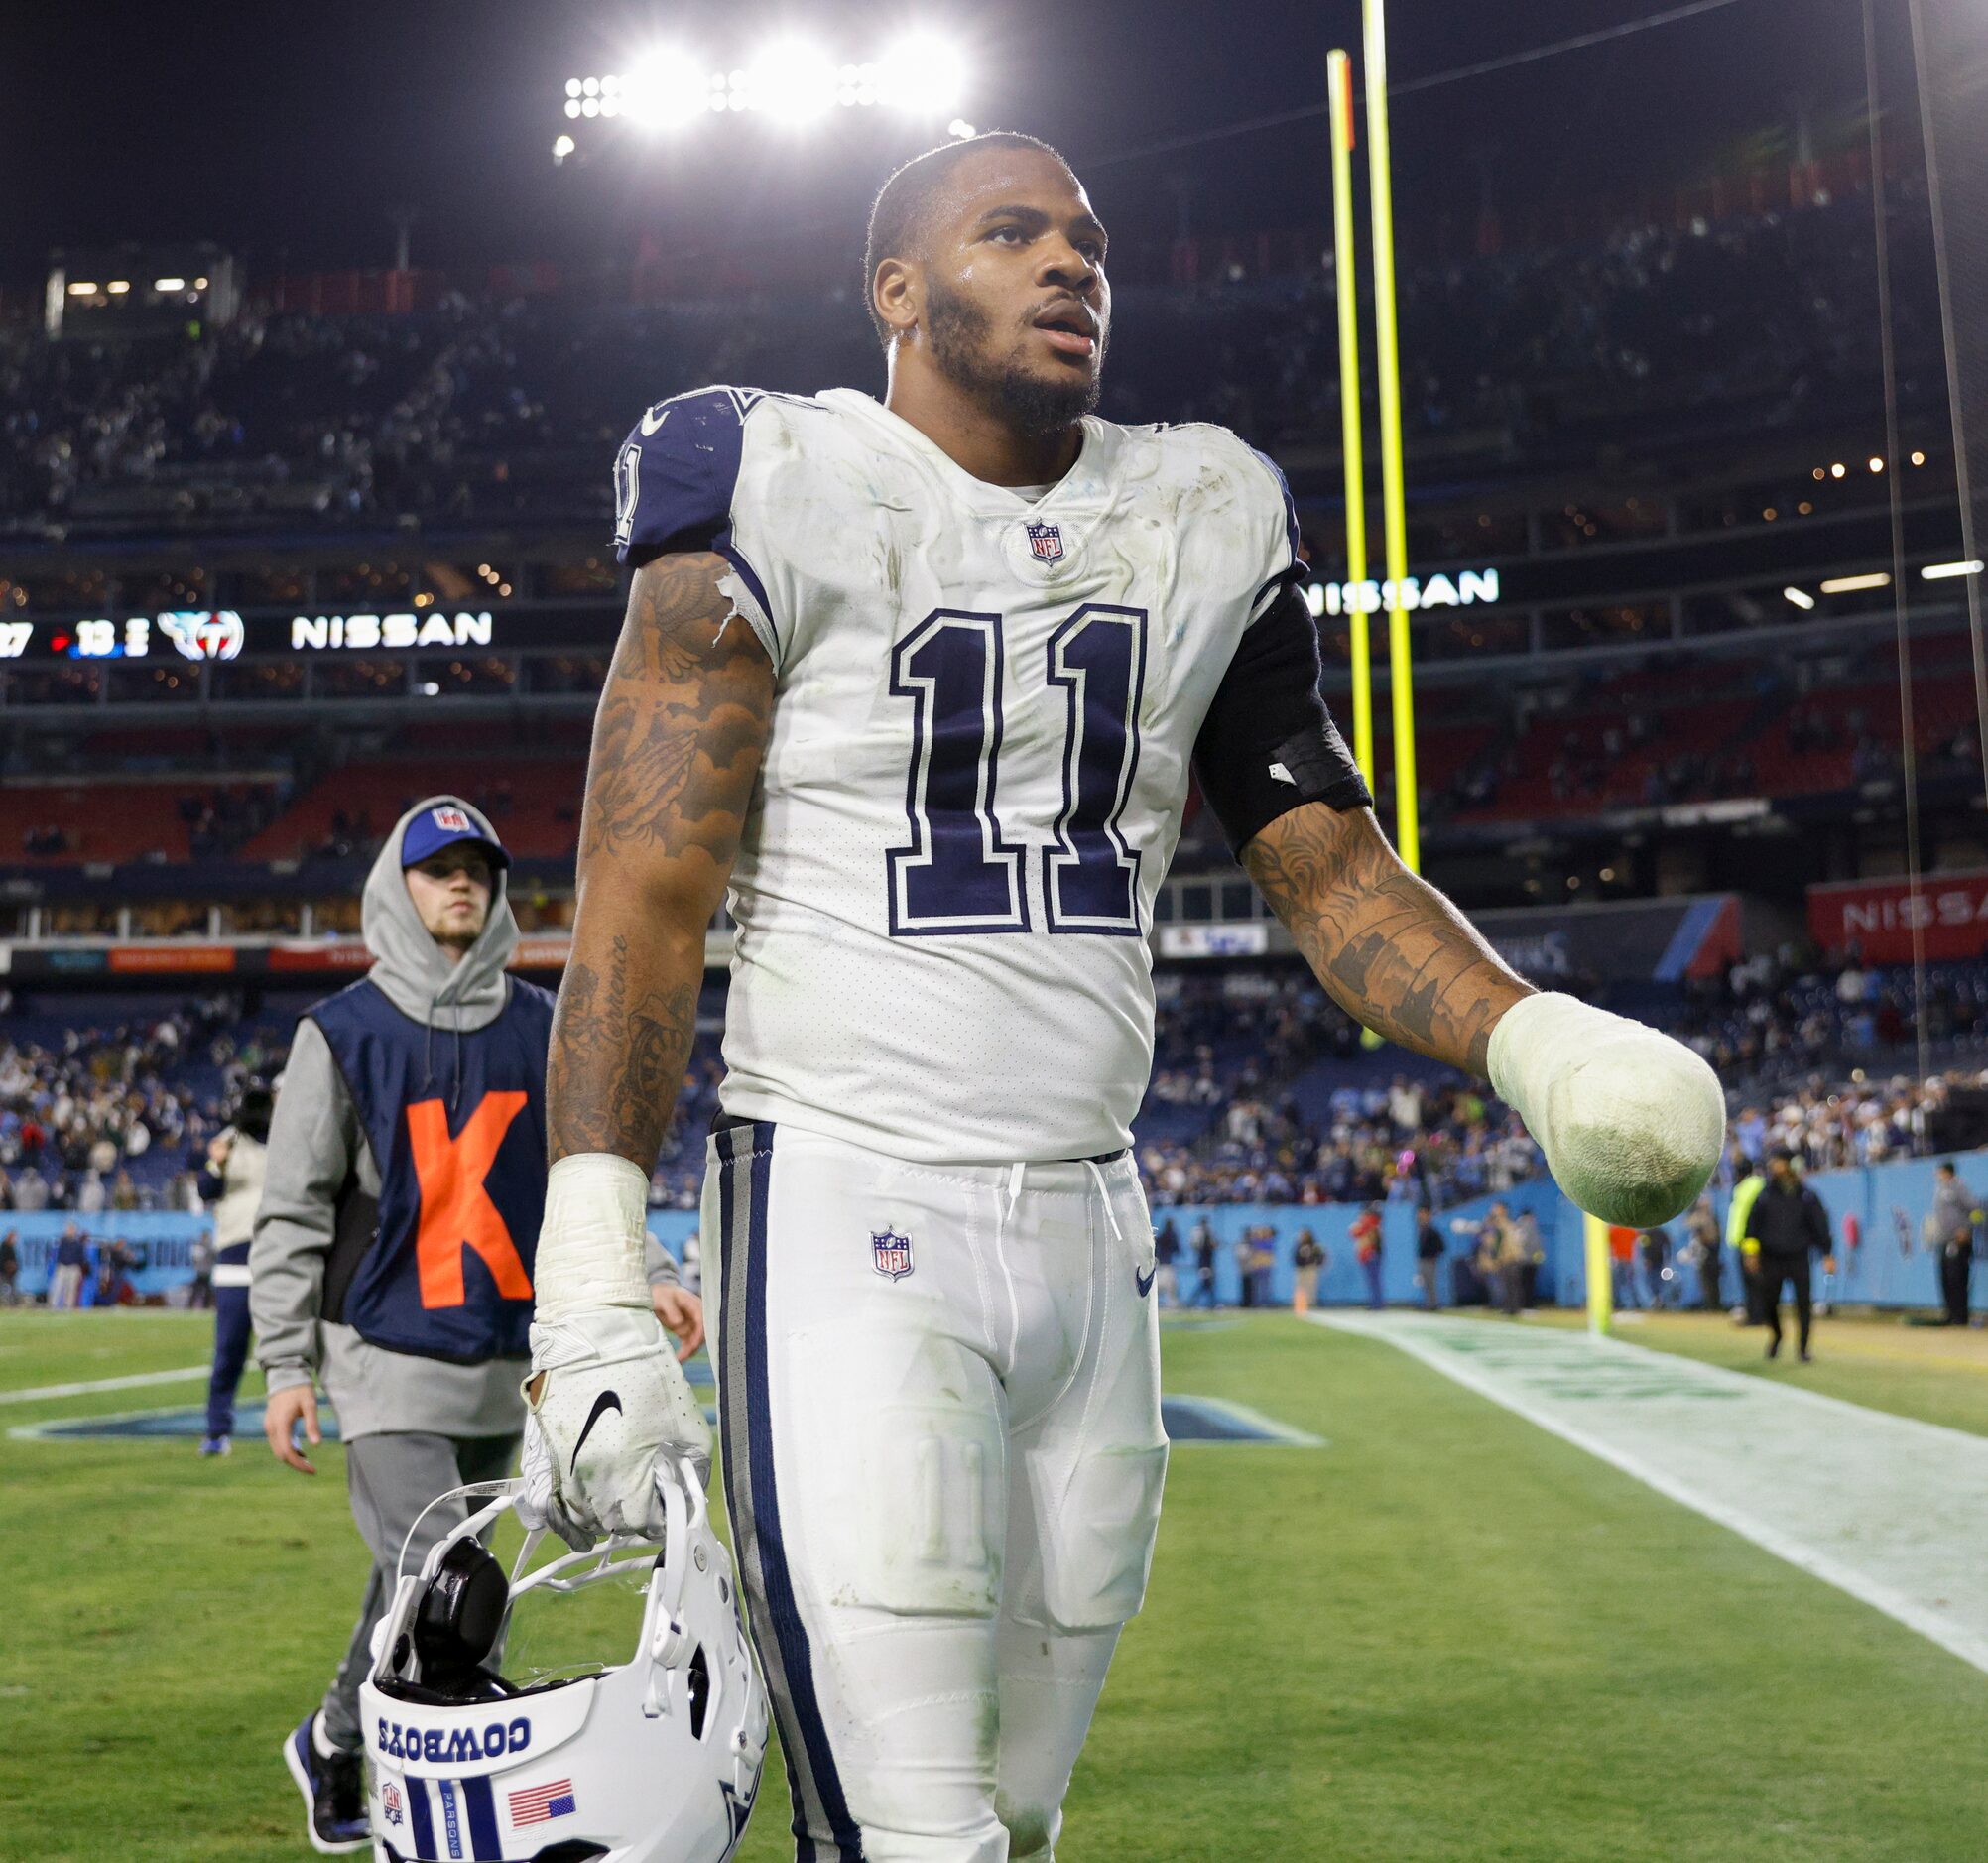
<point x="613" y="1399"/>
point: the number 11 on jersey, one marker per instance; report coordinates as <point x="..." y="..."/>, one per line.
<point x="959" y="874"/>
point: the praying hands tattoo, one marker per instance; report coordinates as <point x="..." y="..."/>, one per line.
<point x="677" y="743"/>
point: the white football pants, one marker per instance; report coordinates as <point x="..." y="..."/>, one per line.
<point x="939" y="1391"/>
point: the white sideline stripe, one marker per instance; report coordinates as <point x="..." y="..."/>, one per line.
<point x="132" y="1383"/>
<point x="1880" y="1530"/>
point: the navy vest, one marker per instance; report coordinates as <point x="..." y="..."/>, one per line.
<point x="458" y="1133"/>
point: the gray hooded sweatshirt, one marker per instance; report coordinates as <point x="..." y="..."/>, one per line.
<point x="316" y="1146"/>
<point x="316" y="1143"/>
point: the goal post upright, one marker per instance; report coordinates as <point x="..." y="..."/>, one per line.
<point x="1387" y="365"/>
<point x="1346" y="290"/>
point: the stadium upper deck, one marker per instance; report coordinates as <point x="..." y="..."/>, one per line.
<point x="266" y="585"/>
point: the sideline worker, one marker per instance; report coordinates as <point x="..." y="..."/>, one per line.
<point x="1789" y="1224"/>
<point x="232" y="1183"/>
<point x="1955" y="1217"/>
<point x="394" y="1247"/>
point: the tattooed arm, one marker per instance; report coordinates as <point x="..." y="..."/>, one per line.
<point x="677" y="747"/>
<point x="1630" y="1121"/>
<point x="1393" y="952"/>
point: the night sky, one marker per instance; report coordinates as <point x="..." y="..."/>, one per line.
<point x="288" y="132"/>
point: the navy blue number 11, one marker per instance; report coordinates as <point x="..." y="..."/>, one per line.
<point x="958" y="874"/>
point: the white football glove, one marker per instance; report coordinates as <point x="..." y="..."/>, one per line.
<point x="612" y="1400"/>
<point x="1632" y="1123"/>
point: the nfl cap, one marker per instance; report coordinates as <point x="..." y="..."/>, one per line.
<point x="442" y="825"/>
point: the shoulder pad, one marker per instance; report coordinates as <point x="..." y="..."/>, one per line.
<point x="676" y="471"/>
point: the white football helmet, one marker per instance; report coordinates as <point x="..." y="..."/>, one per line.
<point x="655" y="1759"/>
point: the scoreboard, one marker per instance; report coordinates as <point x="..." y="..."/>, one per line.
<point x="222" y="633"/>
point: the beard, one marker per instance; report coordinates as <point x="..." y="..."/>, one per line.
<point x="1032" y="404"/>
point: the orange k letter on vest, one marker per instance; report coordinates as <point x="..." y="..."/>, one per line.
<point x="455" y="1210"/>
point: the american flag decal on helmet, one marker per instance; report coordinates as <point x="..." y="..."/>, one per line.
<point x="1046" y="541"/>
<point x="541" y="1802"/>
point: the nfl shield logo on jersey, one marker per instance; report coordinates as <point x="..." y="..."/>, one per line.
<point x="1046" y="541"/>
<point x="390" y="1803"/>
<point x="891" y="1253"/>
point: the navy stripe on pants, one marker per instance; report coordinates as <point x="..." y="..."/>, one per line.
<point x="747" y="1426"/>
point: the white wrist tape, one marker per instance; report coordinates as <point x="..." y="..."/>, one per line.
<point x="1632" y="1123"/>
<point x="590" y="1241"/>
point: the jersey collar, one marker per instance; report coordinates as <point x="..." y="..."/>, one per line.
<point x="1085" y="486"/>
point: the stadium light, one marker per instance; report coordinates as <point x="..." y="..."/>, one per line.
<point x="562" y="147"/>
<point x="118" y="287"/>
<point x="82" y="288"/>
<point x="168" y="283"/>
<point x="789" y="81"/>
<point x="1801" y="597"/>
<point x="666" y="90"/>
<point x="921" y="74"/>
<point x="1940" y="571"/>
<point x="1850" y="585"/>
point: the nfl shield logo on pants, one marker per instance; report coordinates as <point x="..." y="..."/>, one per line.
<point x="891" y="1253"/>
<point x="1046" y="541"/>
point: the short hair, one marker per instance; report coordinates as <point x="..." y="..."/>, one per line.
<point x="898" y="215"/>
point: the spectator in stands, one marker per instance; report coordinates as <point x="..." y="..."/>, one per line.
<point x="1429" y="1254"/>
<point x="1789" y="1224"/>
<point x="10" y="1269"/>
<point x="1955" y="1215"/>
<point x="1307" y="1260"/>
<point x="1365" y="1231"/>
<point x="30" y="1189"/>
<point x="71" y="1263"/>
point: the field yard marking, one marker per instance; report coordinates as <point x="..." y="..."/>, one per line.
<point x="131" y="1383"/>
<point x="1891" y="1510"/>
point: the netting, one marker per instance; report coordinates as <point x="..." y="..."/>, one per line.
<point x="1951" y="40"/>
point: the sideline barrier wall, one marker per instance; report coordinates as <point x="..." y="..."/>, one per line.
<point x="1889" y="1266"/>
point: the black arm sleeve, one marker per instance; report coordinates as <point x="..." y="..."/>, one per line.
<point x="1267" y="744"/>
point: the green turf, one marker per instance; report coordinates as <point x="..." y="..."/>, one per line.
<point x="1875" y="1360"/>
<point x="1445" y="1635"/>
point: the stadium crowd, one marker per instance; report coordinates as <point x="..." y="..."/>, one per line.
<point x="508" y="406"/>
<point x="1261" y="1092"/>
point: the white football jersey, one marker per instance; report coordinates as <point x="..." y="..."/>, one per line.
<point x="985" y="709"/>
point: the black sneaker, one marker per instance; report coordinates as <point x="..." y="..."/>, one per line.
<point x="335" y="1792"/>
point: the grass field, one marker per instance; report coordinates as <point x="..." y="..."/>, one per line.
<point x="1935" y="1373"/>
<point x="1445" y="1634"/>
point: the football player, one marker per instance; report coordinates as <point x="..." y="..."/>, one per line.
<point x="922" y="681"/>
